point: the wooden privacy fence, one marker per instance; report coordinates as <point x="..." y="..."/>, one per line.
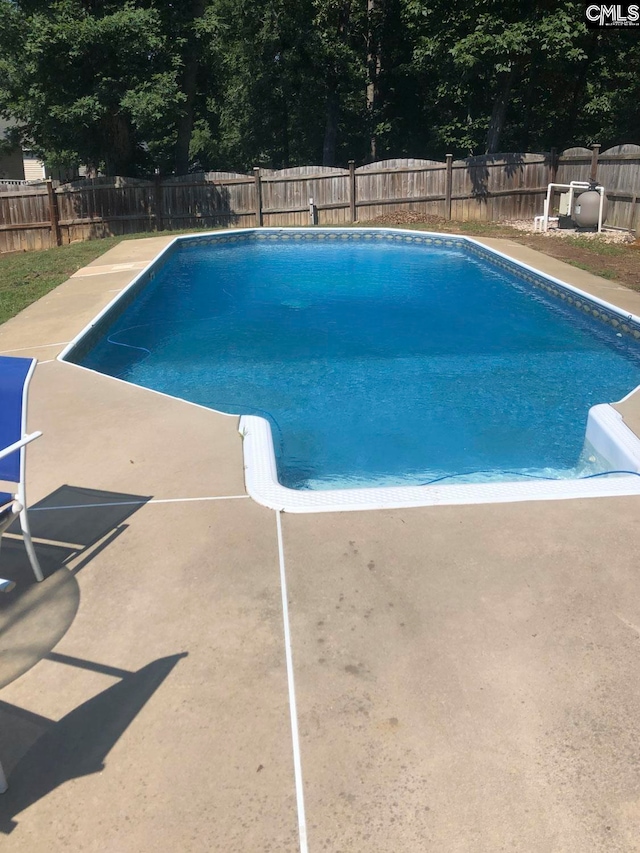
<point x="491" y="187"/>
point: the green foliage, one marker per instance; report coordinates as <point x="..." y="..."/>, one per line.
<point x="96" y="87"/>
<point x="124" y="87"/>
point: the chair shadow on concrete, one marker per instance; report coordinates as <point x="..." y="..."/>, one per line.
<point x="69" y="528"/>
<point x="41" y="754"/>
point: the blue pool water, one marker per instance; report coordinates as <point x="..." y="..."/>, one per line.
<point x="375" y="364"/>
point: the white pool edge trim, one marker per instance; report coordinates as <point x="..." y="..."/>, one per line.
<point x="606" y="431"/>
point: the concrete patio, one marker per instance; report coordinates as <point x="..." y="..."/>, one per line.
<point x="467" y="678"/>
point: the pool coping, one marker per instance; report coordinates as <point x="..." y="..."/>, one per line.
<point x="606" y="429"/>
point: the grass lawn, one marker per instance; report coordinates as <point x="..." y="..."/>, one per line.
<point x="26" y="276"/>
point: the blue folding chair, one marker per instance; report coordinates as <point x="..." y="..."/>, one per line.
<point x="15" y="375"/>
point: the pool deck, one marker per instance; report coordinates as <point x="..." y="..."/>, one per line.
<point x="466" y="677"/>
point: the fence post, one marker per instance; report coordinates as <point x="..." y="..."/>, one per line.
<point x="553" y="165"/>
<point x="447" y="186"/>
<point x="158" y="198"/>
<point x="56" y="237"/>
<point x="352" y="190"/>
<point x="256" y="175"/>
<point x="595" y="151"/>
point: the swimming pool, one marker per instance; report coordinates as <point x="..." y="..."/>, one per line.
<point x="377" y="366"/>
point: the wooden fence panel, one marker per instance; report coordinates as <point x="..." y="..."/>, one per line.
<point x="619" y="169"/>
<point x="104" y="207"/>
<point x="24" y="219"/>
<point x="286" y="194"/>
<point x="574" y="164"/>
<point x="206" y="200"/>
<point x="491" y="187"/>
<point x="500" y="186"/>
<point x="619" y="174"/>
<point x="209" y="204"/>
<point x="400" y="185"/>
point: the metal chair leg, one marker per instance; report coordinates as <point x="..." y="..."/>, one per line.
<point x="28" y="544"/>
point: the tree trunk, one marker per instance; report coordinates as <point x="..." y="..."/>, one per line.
<point x="331" y="126"/>
<point x="333" y="95"/>
<point x="285" y="132"/>
<point x="496" y="123"/>
<point x="578" y="90"/>
<point x="119" y="144"/>
<point x="189" y="81"/>
<point x="374" y="66"/>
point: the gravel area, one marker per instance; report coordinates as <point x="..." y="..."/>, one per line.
<point x="607" y="236"/>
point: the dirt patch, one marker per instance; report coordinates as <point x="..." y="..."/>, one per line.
<point x="611" y="255"/>
<point x="621" y="265"/>
<point x="436" y="223"/>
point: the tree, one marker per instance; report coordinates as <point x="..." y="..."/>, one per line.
<point x="104" y="84"/>
<point x="229" y="84"/>
<point x="606" y="104"/>
<point x="270" y="101"/>
<point x="484" y="55"/>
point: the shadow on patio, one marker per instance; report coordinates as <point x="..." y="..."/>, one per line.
<point x="69" y="527"/>
<point x="47" y="754"/>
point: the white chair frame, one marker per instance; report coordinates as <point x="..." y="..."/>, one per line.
<point x="20" y="495"/>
